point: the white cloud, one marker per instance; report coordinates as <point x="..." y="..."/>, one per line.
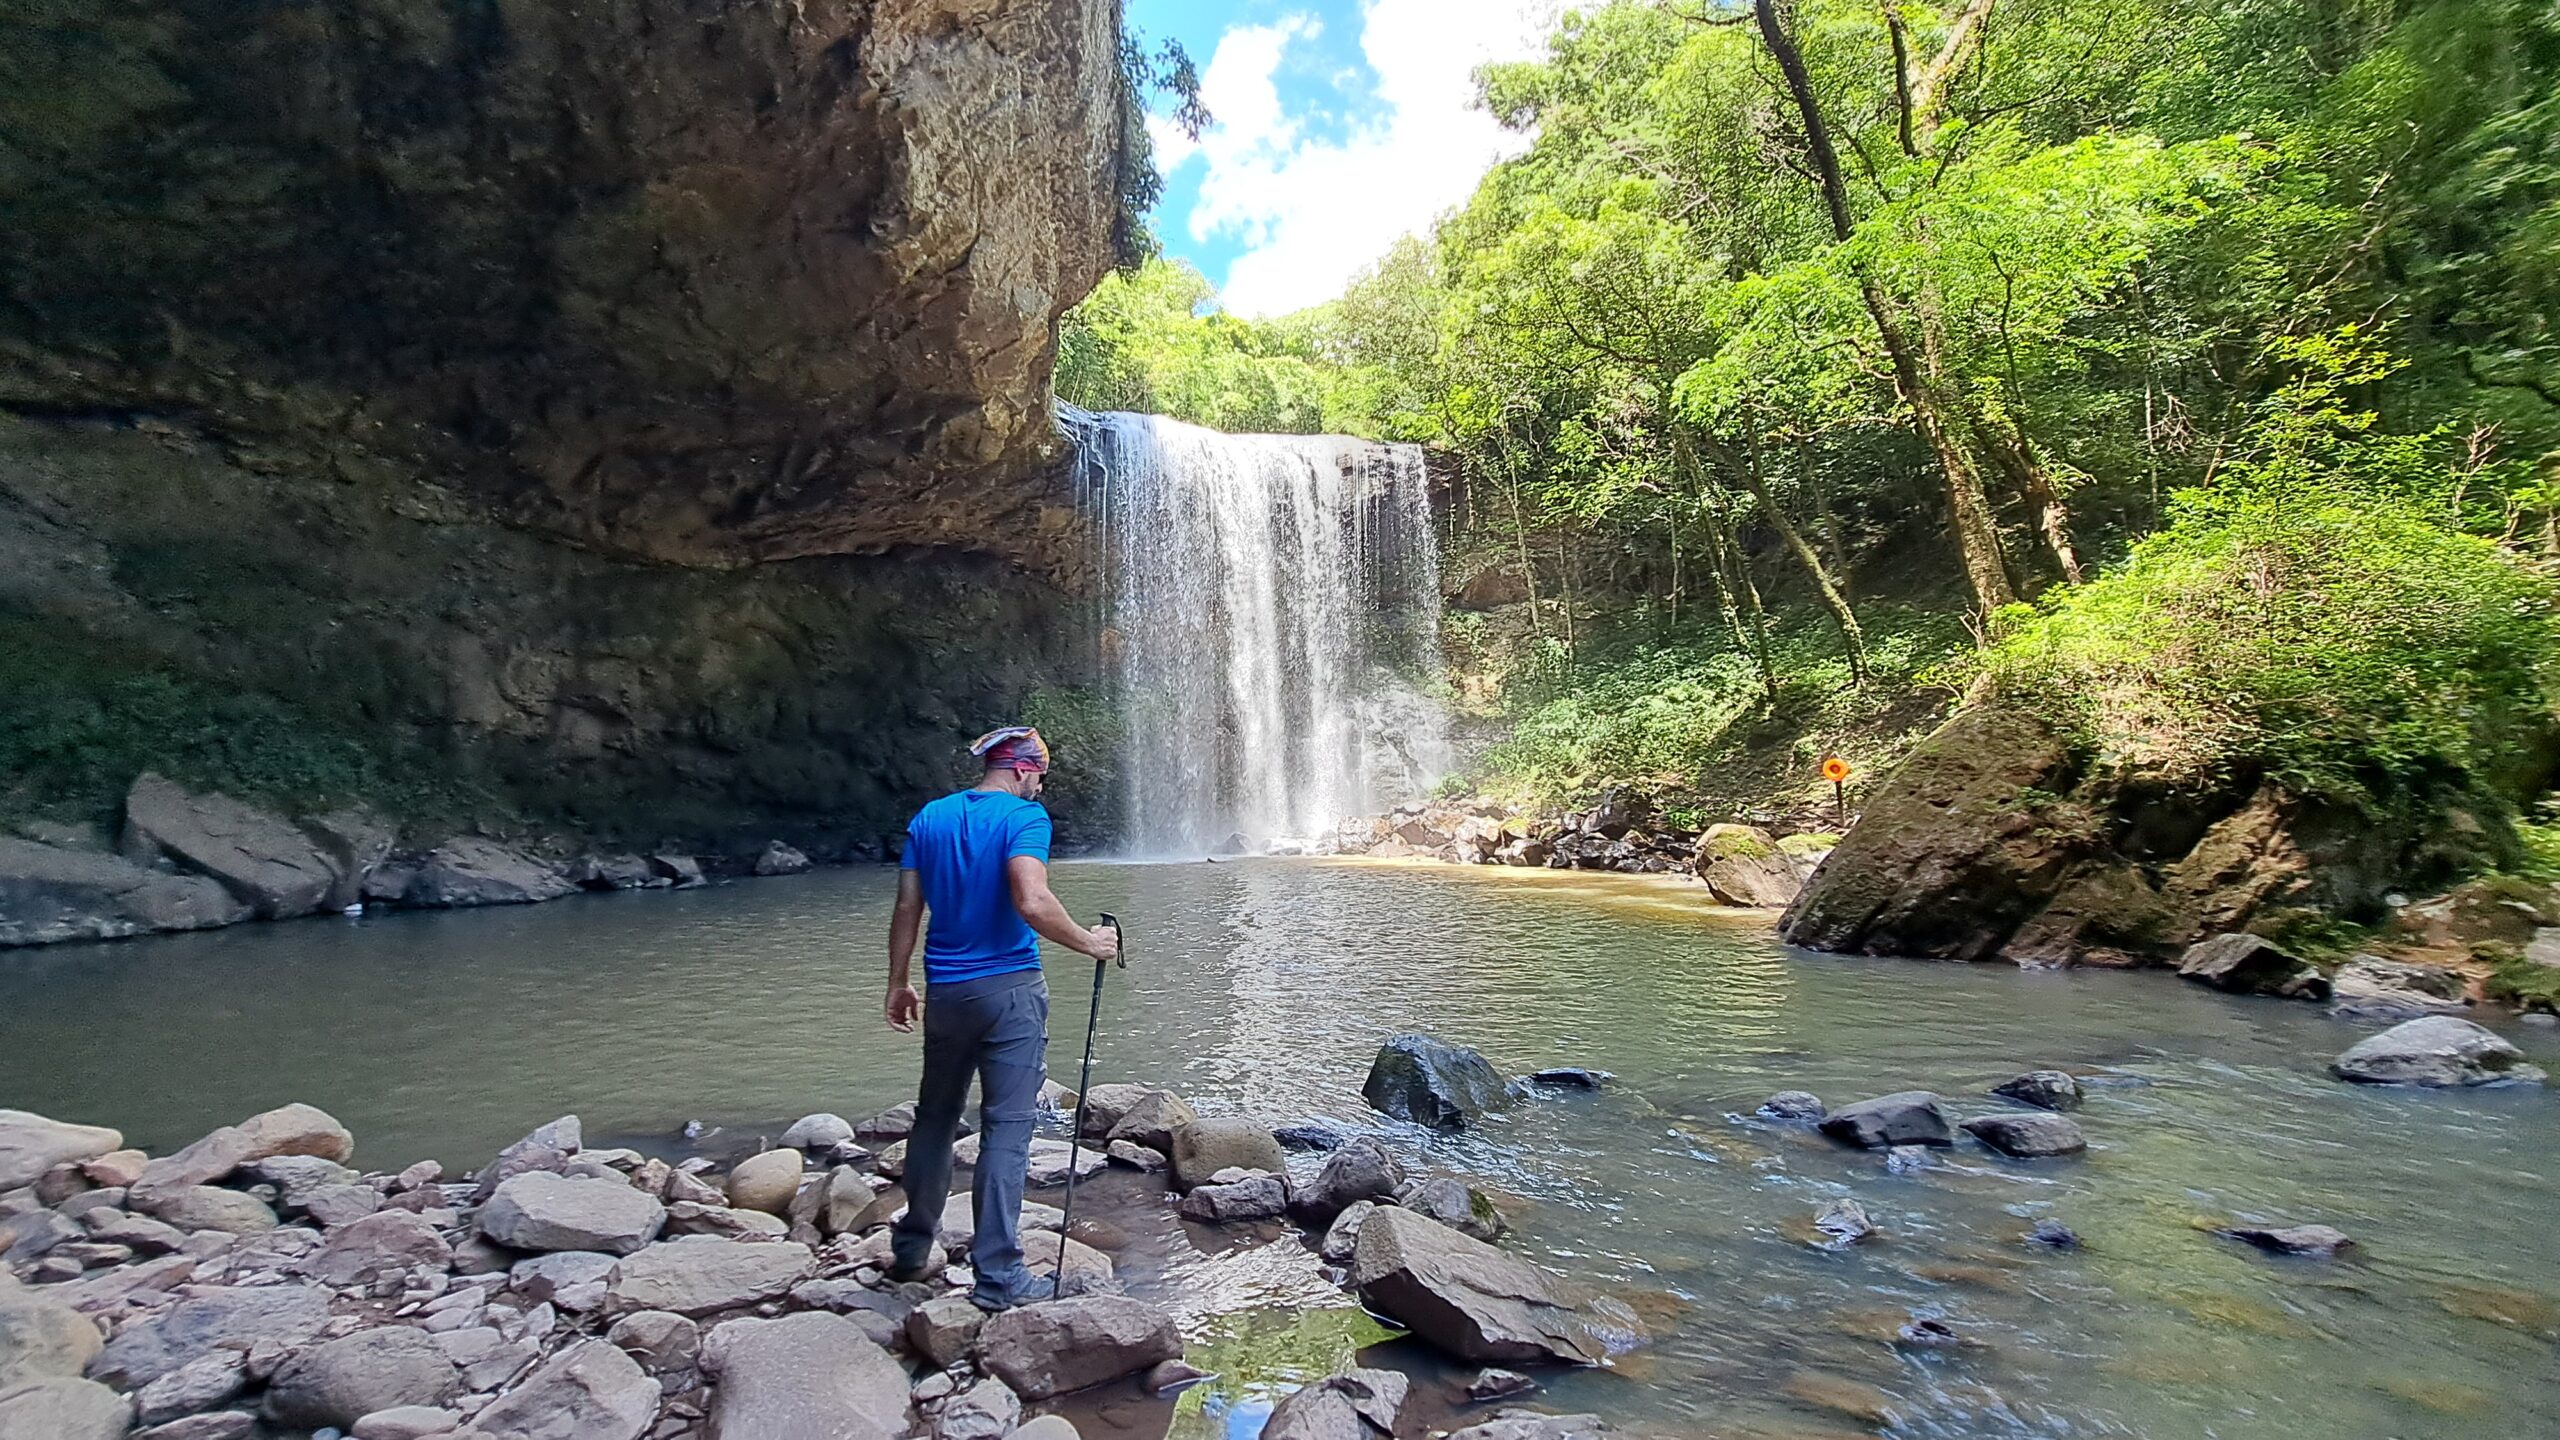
<point x="1311" y="212"/>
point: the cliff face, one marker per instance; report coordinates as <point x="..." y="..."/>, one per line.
<point x="628" y="419"/>
<point x="701" y="282"/>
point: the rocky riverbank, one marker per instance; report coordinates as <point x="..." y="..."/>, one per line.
<point x="186" y="860"/>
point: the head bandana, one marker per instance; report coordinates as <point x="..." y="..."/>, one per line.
<point x="1018" y="748"/>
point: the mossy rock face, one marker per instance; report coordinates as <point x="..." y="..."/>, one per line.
<point x="1736" y="842"/>
<point x="1808" y="843"/>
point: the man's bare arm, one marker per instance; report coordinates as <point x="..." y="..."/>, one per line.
<point x="1040" y="909"/>
<point x="903" y="1004"/>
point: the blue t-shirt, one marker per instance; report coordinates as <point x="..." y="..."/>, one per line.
<point x="958" y="846"/>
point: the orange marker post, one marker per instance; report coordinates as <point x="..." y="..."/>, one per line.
<point x="1836" y="770"/>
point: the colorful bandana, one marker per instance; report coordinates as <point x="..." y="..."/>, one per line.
<point x="1017" y="748"/>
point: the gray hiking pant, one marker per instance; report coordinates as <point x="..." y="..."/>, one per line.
<point x="998" y="1030"/>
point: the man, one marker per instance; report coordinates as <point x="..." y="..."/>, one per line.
<point x="978" y="862"/>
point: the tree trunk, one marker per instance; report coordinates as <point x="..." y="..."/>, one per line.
<point x="1749" y="632"/>
<point x="1832" y="599"/>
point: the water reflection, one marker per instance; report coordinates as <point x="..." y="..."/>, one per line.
<point x="1265" y="987"/>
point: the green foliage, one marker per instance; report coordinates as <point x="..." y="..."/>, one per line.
<point x="2525" y="985"/>
<point x="1145" y="341"/>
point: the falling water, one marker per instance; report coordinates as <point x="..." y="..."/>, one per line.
<point x="1273" y="618"/>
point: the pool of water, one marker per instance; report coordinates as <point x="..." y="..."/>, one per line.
<point x="1264" y="987"/>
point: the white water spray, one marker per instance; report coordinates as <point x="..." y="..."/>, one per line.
<point x="1272" y="623"/>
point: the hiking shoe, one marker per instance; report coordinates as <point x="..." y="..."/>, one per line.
<point x="1020" y="1288"/>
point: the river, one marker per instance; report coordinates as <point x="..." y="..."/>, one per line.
<point x="1264" y="987"/>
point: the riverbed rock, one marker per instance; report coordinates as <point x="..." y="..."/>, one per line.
<point x="1742" y="865"/>
<point x="406" y="1422"/>
<point x="2369" y="986"/>
<point x="1105" y="1106"/>
<point x="1050" y="1160"/>
<point x="942" y="1330"/>
<point x="1236" y="1202"/>
<point x="1138" y="1157"/>
<point x="2316" y="1241"/>
<point x="49" y="894"/>
<point x="1361" y="1170"/>
<point x="39" y="1337"/>
<point x="296" y="1177"/>
<point x="267" y="863"/>
<point x="681" y="871"/>
<point x="1456" y="1204"/>
<point x="766" y="1182"/>
<point x="340" y="1380"/>
<point x="1049" y="1349"/>
<point x="542" y="1211"/>
<point x="384" y="1243"/>
<point x="1202" y="1148"/>
<point x="200" y="1384"/>
<point x="286" y="1130"/>
<point x="2252" y="965"/>
<point x="547" y="1148"/>
<point x="1151" y="1118"/>
<point x="1432" y="1082"/>
<point x="699" y="1275"/>
<point x="2044" y="1089"/>
<point x="1795" y="1107"/>
<point x="1342" y="1238"/>
<point x="1906" y="1117"/>
<point x="62" y="1407"/>
<point x="469" y="871"/>
<point x="662" y="1341"/>
<point x="2439" y="1050"/>
<point x="209" y="1207"/>
<point x="818" y="1133"/>
<point x="1469" y="1299"/>
<point x="1352" y="1404"/>
<point x="1841" y="1224"/>
<point x="31" y="1144"/>
<point x="590" y="1391"/>
<point x="780" y="859"/>
<point x="2028" y="1137"/>
<point x="803" y="1375"/>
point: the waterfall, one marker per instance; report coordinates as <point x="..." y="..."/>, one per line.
<point x="1271" y="627"/>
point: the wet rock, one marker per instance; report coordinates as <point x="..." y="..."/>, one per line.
<point x="1089" y="1271"/>
<point x="1105" y="1106"/>
<point x="681" y="871"/>
<point x="471" y="871"/>
<point x="62" y="1407"/>
<point x="40" y="1338"/>
<point x="1930" y="1333"/>
<point x="1342" y="1238"/>
<point x="663" y="1342"/>
<point x="50" y="894"/>
<point x="1051" y="1159"/>
<point x="31" y="1144"/>
<point x="1572" y="1077"/>
<point x="2053" y="1235"/>
<point x="406" y="1422"/>
<point x="1908" y="1159"/>
<point x="1531" y="1425"/>
<point x="1137" y="1157"/>
<point x="1742" y="865"/>
<point x="1469" y="1299"/>
<point x="266" y="863"/>
<point x="385" y="1243"/>
<point x="1796" y="1107"/>
<point x="1456" y="1204"/>
<point x="210" y="1319"/>
<point x="1313" y="1136"/>
<point x="541" y="1211"/>
<point x="988" y="1410"/>
<point x="1490" y="1384"/>
<point x="2044" y="1089"/>
<point x="1362" y="1170"/>
<point x="1432" y="1082"/>
<point x="780" y="859"/>
<point x="2243" y="964"/>
<point x="201" y="1384"/>
<point x="1151" y="1119"/>
<point x="1355" y="1404"/>
<point x="1174" y="1375"/>
<point x="1908" y="1117"/>
<point x="590" y="1391"/>
<point x="1202" y="1148"/>
<point x="2439" y="1050"/>
<point x="819" y="1133"/>
<point x="814" y="1375"/>
<point x="1255" y="1197"/>
<point x="2369" y="986"/>
<point x="2028" y="1137"/>
<point x="696" y="1275"/>
<point x="286" y="1130"/>
<point x="766" y="1182"/>
<point x="1841" y="1224"/>
<point x="1049" y="1349"/>
<point x="337" y="1382"/>
<point x="2317" y="1241"/>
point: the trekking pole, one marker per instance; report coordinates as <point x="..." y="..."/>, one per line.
<point x="1084" y="1087"/>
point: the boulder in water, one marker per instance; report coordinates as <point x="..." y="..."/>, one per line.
<point x="1432" y="1082"/>
<point x="2316" y="1241"/>
<point x="819" y="1132"/>
<point x="1150" y="1119"/>
<point x="2370" y="987"/>
<point x="2044" y="1089"/>
<point x="2028" y="1137"/>
<point x="469" y="871"/>
<point x="1361" y="1170"/>
<point x="1572" y="1077"/>
<point x="1742" y="865"/>
<point x="1906" y="1117"/>
<point x="2251" y="965"/>
<point x="1353" y="1404"/>
<point x="780" y="859"/>
<point x="1841" y="1224"/>
<point x="1799" y="1107"/>
<point x="50" y="894"/>
<point x="2439" y="1050"/>
<point x="1049" y="1349"/>
<point x="1202" y="1148"/>
<point x="1456" y="1204"/>
<point x="1471" y="1300"/>
<point x="271" y="866"/>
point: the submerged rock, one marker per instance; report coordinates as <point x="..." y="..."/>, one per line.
<point x="2044" y="1089"/>
<point x="1469" y="1299"/>
<point x="1572" y="1077"/>
<point x="1800" y="1107"/>
<point x="2251" y="965"/>
<point x="1841" y="1224"/>
<point x="2053" y="1234"/>
<point x="1432" y="1082"/>
<point x="49" y="894"/>
<point x="2440" y="1050"/>
<point x="1354" y="1404"/>
<point x="1907" y="1117"/>
<point x="1492" y="1383"/>
<point x="2028" y="1137"/>
<point x="2318" y="1241"/>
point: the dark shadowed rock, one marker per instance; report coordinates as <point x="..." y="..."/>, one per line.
<point x="1469" y="1299"/>
<point x="1907" y="1117"/>
<point x="49" y="894"/>
<point x="1361" y="1170"/>
<point x="2028" y="1137"/>
<point x="1355" y="1404"/>
<point x="1492" y="1383"/>
<point x="2053" y="1235"/>
<point x="1342" y="1238"/>
<point x="2317" y="1241"/>
<point x="780" y="859"/>
<point x="1053" y="1348"/>
<point x="1311" y="1135"/>
<point x="342" y="1380"/>
<point x="1572" y="1077"/>
<point x="2251" y="965"/>
<point x="590" y="1391"/>
<point x="1432" y="1082"/>
<point x="2044" y="1089"/>
<point x="2441" y="1051"/>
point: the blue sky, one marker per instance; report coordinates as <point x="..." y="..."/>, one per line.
<point x="1340" y="125"/>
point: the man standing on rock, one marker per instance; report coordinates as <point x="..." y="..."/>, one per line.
<point x="978" y="862"/>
